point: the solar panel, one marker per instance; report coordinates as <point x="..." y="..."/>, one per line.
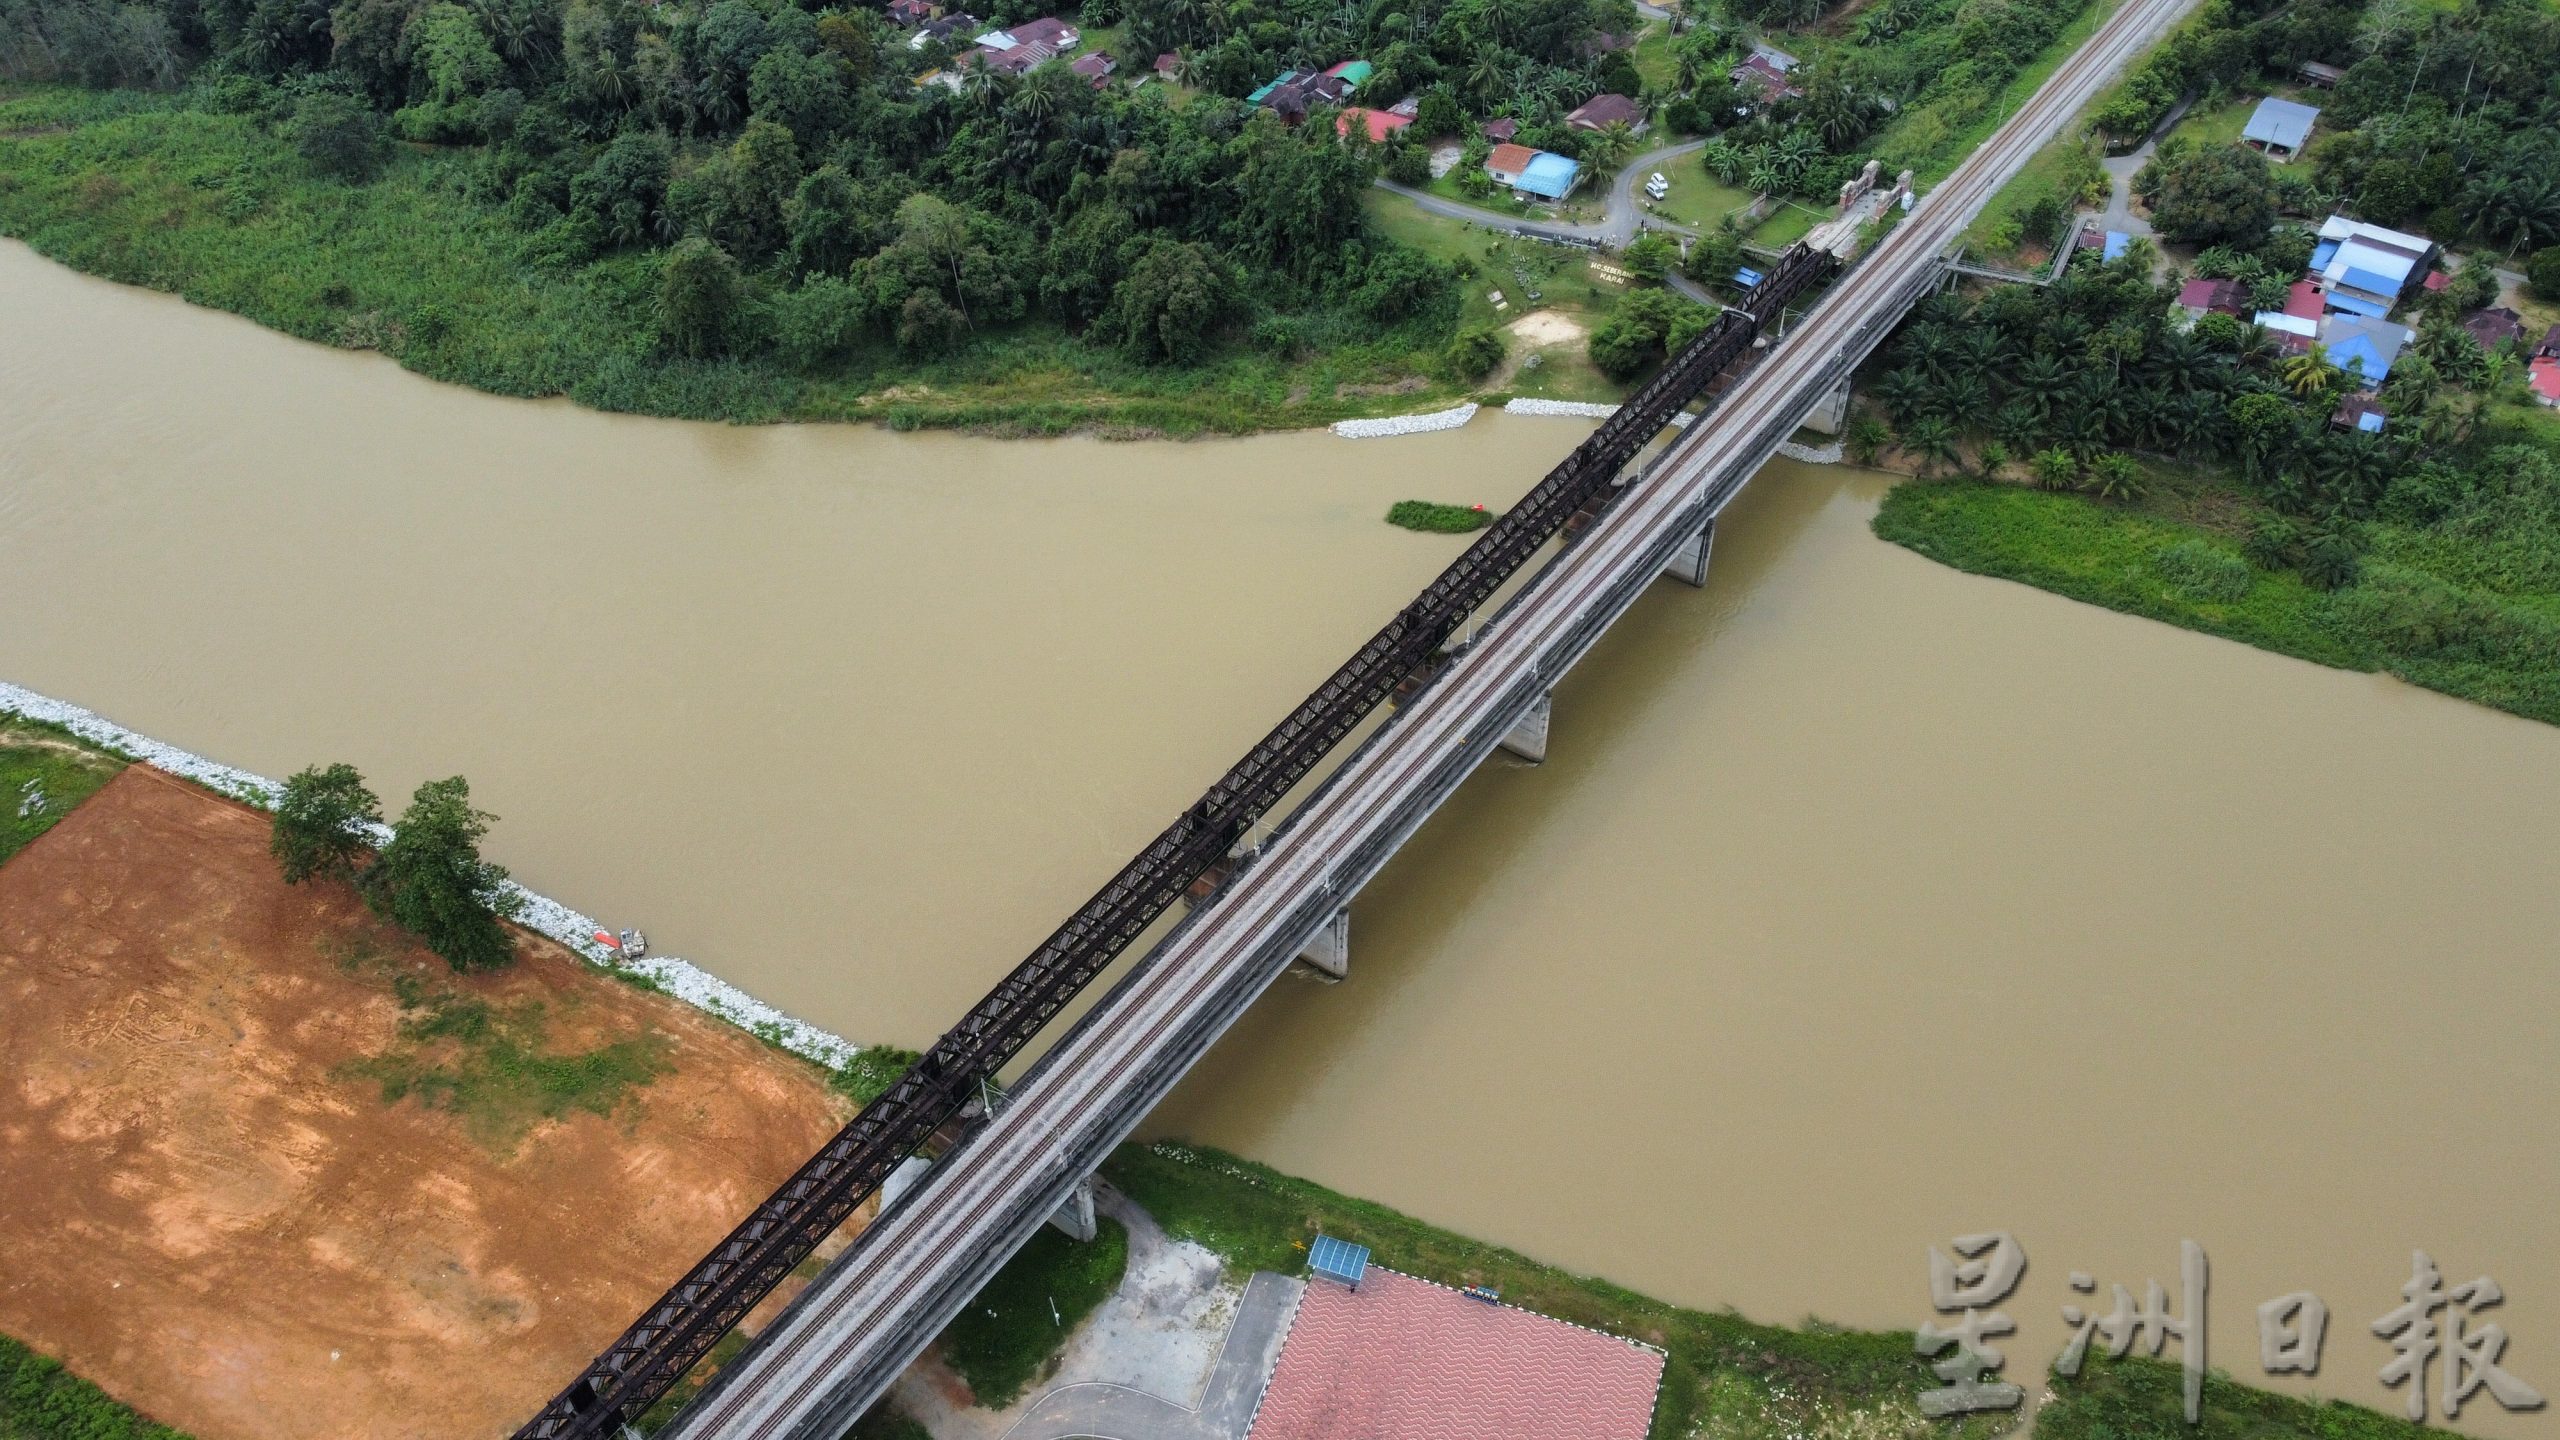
<point x="1338" y="1260"/>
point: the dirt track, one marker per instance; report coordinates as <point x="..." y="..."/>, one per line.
<point x="207" y="1217"/>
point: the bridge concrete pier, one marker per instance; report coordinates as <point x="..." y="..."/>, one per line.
<point x="1527" y="737"/>
<point x="1689" y="564"/>
<point x="1328" y="951"/>
<point x="1831" y="412"/>
<point x="1075" y="1218"/>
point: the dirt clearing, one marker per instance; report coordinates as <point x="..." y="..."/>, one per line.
<point x="213" y="1212"/>
<point x="1542" y="328"/>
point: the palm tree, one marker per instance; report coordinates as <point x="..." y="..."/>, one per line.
<point x="2309" y="373"/>
<point x="2041" y="381"/>
<point x="2056" y="468"/>
<point x="1609" y="147"/>
<point x="1929" y="348"/>
<point x="2114" y="476"/>
<point x="2018" y="426"/>
<point x="1901" y="392"/>
<point x="1932" y="439"/>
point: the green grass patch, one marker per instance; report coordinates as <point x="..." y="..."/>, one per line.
<point x="1725" y="1376"/>
<point x="2444" y="628"/>
<point x="1931" y="140"/>
<point x="871" y="1071"/>
<point x="40" y="1400"/>
<point x="44" y="775"/>
<point x="493" y="1067"/>
<point x="1438" y="519"/>
<point x="1011" y="1332"/>
<point x="2144" y="1399"/>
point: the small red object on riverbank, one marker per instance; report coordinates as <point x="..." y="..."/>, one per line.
<point x="605" y="939"/>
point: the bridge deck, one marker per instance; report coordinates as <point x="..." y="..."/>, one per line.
<point x="837" y="1348"/>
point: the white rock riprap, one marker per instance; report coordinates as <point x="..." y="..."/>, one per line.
<point x="540" y="913"/>
<point x="1825" y="455"/>
<point x="1530" y="405"/>
<point x="1449" y="419"/>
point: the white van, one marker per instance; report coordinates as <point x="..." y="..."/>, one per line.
<point x="1657" y="187"/>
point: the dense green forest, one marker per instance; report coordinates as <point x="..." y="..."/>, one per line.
<point x="752" y="180"/>
<point x="2222" y="482"/>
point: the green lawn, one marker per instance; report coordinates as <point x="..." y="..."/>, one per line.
<point x="1010" y="1332"/>
<point x="2434" y="612"/>
<point x="1564" y="276"/>
<point x="44" y="773"/>
<point x="1698" y="199"/>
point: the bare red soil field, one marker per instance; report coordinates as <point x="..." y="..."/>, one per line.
<point x="210" y="1216"/>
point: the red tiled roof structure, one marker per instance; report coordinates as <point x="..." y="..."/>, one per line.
<point x="1500" y="131"/>
<point x="2544" y="376"/>
<point x="1380" y="123"/>
<point x="1510" y="159"/>
<point x="1404" y="1359"/>
<point x="2302" y="300"/>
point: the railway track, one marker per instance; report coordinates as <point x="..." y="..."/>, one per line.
<point x="838" y="1346"/>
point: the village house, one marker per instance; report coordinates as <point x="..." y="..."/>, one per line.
<point x="2279" y="128"/>
<point x="2494" y="326"/>
<point x="1380" y="124"/>
<point x="2222" y="297"/>
<point x="1169" y="65"/>
<point x="2298" y="323"/>
<point x="2359" y="412"/>
<point x="1762" y="78"/>
<point x="1500" y="132"/>
<point x="1352" y="73"/>
<point x="1096" y="67"/>
<point x="945" y="28"/>
<point x="1602" y="111"/>
<point x="2364" y="347"/>
<point x="1533" y="174"/>
<point x="2314" y="72"/>
<point x="1294" y="92"/>
<point x="912" y="13"/>
<point x="2364" y="269"/>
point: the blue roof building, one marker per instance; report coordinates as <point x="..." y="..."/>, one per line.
<point x="2280" y="127"/>
<point x="2365" y="348"/>
<point x="1549" y="176"/>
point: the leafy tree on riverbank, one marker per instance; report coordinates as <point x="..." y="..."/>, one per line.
<point x="322" y="824"/>
<point x="432" y="882"/>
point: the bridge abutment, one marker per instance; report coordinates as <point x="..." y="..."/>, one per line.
<point x="1527" y="737"/>
<point x="1689" y="566"/>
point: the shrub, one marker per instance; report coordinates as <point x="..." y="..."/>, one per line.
<point x="1438" y="519"/>
<point x="2543" y="272"/>
<point x="1474" y="354"/>
<point x="2205" y="571"/>
<point x="337" y="135"/>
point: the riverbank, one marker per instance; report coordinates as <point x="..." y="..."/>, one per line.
<point x="316" y="1178"/>
<point x="165" y="192"/>
<point x="2408" y="614"/>
<point x="1724" y="1376"/>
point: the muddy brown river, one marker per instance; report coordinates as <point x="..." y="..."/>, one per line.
<point x="1861" y="903"/>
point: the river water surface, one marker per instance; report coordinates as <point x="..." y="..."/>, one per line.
<point x="1860" y="904"/>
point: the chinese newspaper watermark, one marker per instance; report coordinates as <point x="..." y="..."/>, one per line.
<point x="2435" y="1327"/>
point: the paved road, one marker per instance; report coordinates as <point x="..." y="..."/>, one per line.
<point x="1614" y="230"/>
<point x="1227" y="1402"/>
<point x="842" y="1342"/>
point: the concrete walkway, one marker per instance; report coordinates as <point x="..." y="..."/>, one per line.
<point x="1102" y="1411"/>
<point x="1174" y="1353"/>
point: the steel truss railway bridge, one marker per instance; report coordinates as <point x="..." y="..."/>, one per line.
<point x="1629" y="504"/>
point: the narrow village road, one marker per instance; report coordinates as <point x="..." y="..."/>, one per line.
<point x="1614" y="230"/>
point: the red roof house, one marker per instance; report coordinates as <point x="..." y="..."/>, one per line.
<point x="1379" y="123"/>
<point x="1602" y="111"/>
<point x="2227" y="297"/>
<point x="1096" y="67"/>
<point x="1500" y="131"/>
<point x="2544" y="376"/>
